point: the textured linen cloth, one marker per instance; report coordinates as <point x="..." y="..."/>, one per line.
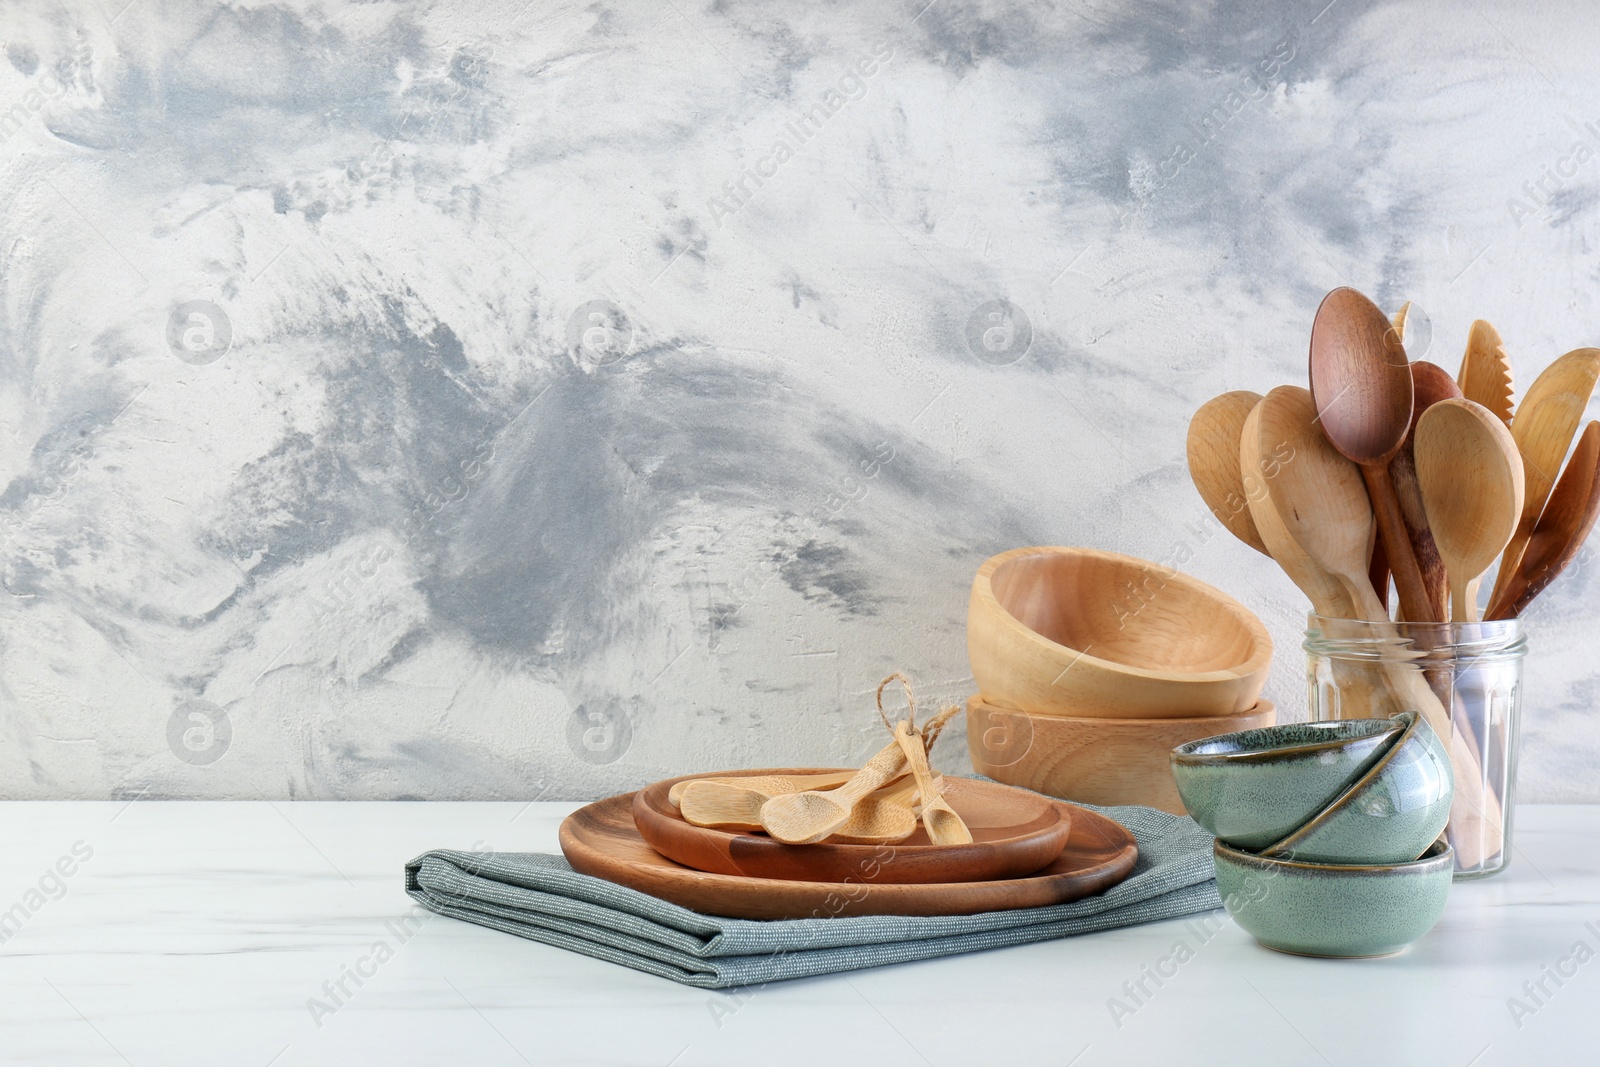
<point x="540" y="897"/>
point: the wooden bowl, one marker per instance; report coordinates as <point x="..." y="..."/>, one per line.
<point x="1093" y="761"/>
<point x="1084" y="633"/>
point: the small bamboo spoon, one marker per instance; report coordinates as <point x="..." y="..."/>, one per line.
<point x="944" y="826"/>
<point x="882" y="818"/>
<point x="1362" y="384"/>
<point x="735" y="803"/>
<point x="1213" y="448"/>
<point x="1559" y="534"/>
<point x="1430" y="383"/>
<point x="769" y="784"/>
<point x="1486" y="371"/>
<point x="1543" y="429"/>
<point x="808" y="817"/>
<point x="1471" y="480"/>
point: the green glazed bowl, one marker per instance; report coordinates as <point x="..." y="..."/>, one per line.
<point x="1391" y="814"/>
<point x="1255" y="787"/>
<point x="1325" y="909"/>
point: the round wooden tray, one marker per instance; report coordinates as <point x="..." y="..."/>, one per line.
<point x="1014" y="833"/>
<point x="601" y="840"/>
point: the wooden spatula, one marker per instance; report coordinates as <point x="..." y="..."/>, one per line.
<point x="806" y="818"/>
<point x="1543" y="428"/>
<point x="1485" y="376"/>
<point x="1568" y="517"/>
<point x="944" y="826"/>
<point x="735" y="803"/>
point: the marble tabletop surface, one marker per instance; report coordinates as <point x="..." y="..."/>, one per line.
<point x="212" y="933"/>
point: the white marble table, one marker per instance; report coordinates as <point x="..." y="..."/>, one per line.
<point x="198" y="933"/>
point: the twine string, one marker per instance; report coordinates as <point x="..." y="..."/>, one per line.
<point x="929" y="733"/>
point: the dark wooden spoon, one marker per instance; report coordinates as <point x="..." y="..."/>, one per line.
<point x="1430" y="383"/>
<point x="1361" y="382"/>
<point x="1566" y="520"/>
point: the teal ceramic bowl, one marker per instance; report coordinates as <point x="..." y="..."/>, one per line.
<point x="1325" y="909"/>
<point x="1390" y="814"/>
<point x="1256" y="787"/>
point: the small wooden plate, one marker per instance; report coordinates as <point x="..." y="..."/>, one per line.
<point x="1014" y="833"/>
<point x="602" y="840"/>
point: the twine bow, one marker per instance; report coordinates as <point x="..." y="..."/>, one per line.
<point x="929" y="733"/>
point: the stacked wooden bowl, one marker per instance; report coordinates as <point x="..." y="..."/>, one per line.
<point x="1091" y="666"/>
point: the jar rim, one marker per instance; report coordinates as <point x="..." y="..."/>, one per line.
<point x="1330" y="635"/>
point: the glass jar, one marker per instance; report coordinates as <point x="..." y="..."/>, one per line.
<point x="1465" y="679"/>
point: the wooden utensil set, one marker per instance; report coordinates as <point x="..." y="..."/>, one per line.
<point x="873" y="805"/>
<point x="1392" y="470"/>
<point x="1387" y="469"/>
<point x="890" y="838"/>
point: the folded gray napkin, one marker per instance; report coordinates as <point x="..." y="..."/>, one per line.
<point x="540" y="897"/>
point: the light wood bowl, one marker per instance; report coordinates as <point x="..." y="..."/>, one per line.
<point x="1085" y="633"/>
<point x="1093" y="761"/>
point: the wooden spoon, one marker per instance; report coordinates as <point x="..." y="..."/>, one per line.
<point x="944" y="826"/>
<point x="735" y="803"/>
<point x="1362" y="384"/>
<point x="1559" y="534"/>
<point x="806" y="818"/>
<point x="1378" y="567"/>
<point x="1486" y="371"/>
<point x="1543" y="429"/>
<point x="1319" y="495"/>
<point x="1471" y="479"/>
<point x="769" y="784"/>
<point x="1431" y="383"/>
<point x="1326" y="593"/>
<point x="1213" y="448"/>
<point x="1317" y="504"/>
<point x="882" y="818"/>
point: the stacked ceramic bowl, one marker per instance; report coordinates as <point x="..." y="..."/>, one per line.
<point x="1092" y="665"/>
<point x="1328" y="834"/>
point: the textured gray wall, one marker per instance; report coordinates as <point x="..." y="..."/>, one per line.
<point x="426" y="400"/>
